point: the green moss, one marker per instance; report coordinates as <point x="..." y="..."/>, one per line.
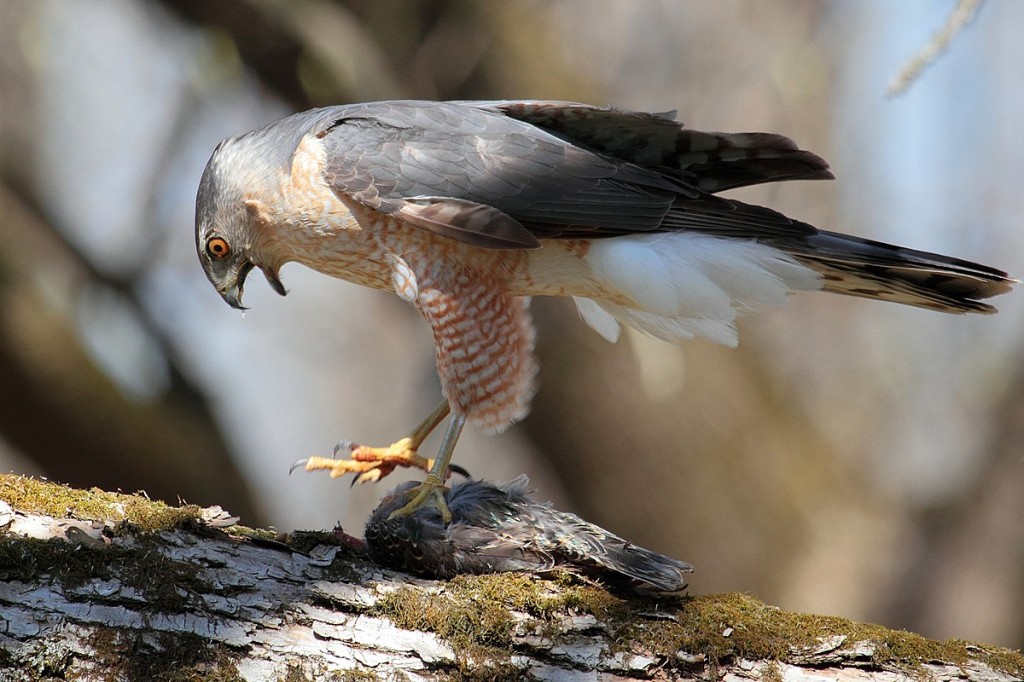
<point x="60" y="501"/>
<point x="296" y="673"/>
<point x="42" y="660"/>
<point x="576" y="596"/>
<point x="1007" y="660"/>
<point x="263" y="534"/>
<point x="166" y="584"/>
<point x="457" y="621"/>
<point x="163" y="657"/>
<point x="771" y="673"/>
<point x="356" y="676"/>
<point x="478" y="610"/>
<point x="319" y="673"/>
<point x="472" y="610"/>
<point x="727" y="626"/>
<point x="475" y="614"/>
<point x="477" y="668"/>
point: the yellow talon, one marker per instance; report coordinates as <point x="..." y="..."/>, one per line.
<point x="372" y="464"/>
<point x="431" y="490"/>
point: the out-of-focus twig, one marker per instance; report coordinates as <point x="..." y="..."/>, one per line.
<point x="961" y="15"/>
<point x="59" y="409"/>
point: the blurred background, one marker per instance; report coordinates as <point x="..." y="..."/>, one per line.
<point x="850" y="458"/>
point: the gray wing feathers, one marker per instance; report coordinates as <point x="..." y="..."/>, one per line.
<point x="712" y="162"/>
<point x="469" y="222"/>
<point x="731" y="218"/>
<point x="386" y="153"/>
<point x="507" y="174"/>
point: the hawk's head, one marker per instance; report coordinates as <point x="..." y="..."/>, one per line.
<point x="231" y="224"/>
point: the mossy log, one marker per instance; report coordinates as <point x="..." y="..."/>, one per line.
<point x="103" y="586"/>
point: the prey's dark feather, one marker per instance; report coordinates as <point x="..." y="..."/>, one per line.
<point x="498" y="529"/>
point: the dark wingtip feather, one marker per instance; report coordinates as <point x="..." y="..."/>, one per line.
<point x="657" y="570"/>
<point x="712" y="161"/>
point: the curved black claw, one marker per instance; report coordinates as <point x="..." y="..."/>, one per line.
<point x="297" y="464"/>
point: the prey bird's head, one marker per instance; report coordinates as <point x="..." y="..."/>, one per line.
<point x="233" y="227"/>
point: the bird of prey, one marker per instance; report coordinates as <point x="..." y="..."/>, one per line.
<point x="498" y="528"/>
<point x="467" y="209"/>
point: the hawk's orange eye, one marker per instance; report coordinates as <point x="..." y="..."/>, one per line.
<point x="218" y="247"/>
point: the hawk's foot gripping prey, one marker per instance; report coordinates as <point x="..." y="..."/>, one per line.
<point x="467" y="209"/>
<point x="370" y="464"/>
<point x="496" y="529"/>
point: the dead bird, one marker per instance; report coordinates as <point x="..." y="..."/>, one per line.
<point x="498" y="528"/>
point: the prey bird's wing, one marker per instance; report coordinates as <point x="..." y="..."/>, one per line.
<point x="501" y="528"/>
<point x="478" y="174"/>
<point x="490" y="532"/>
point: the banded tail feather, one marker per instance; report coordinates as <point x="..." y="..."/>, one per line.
<point x="870" y="269"/>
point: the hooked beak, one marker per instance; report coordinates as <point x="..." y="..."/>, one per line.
<point x="235" y="283"/>
<point x="231" y="291"/>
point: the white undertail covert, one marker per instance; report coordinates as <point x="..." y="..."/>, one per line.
<point x="684" y="285"/>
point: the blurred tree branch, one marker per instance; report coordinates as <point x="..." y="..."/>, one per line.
<point x="308" y="52"/>
<point x="977" y="537"/>
<point x="57" y="406"/>
<point x="60" y="409"/>
<point x="314" y="52"/>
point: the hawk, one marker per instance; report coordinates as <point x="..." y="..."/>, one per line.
<point x="467" y="209"/>
<point x="498" y="528"/>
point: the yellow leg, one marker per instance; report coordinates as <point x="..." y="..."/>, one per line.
<point x="373" y="464"/>
<point x="432" y="489"/>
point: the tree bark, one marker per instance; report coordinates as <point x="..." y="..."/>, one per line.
<point x="102" y="586"/>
